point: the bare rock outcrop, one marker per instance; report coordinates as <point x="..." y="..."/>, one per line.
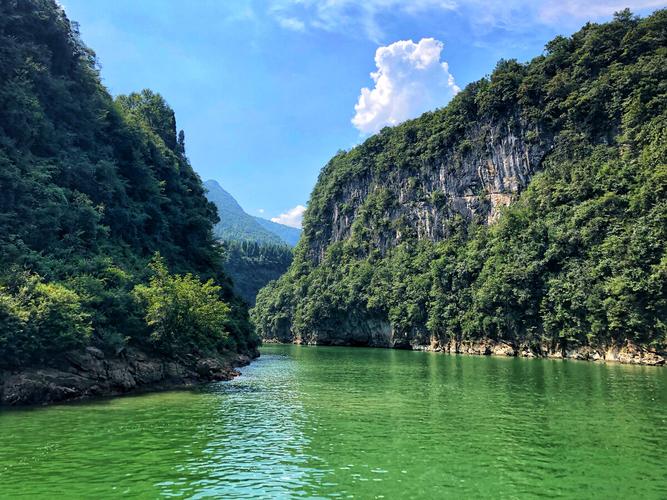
<point x="92" y="373"/>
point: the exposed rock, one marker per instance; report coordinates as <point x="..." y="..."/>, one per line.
<point x="356" y="330"/>
<point x="476" y="181"/>
<point x="503" y="349"/>
<point x="628" y="353"/>
<point x="631" y="353"/>
<point x="90" y="373"/>
<point x="213" y="369"/>
<point x="480" y="181"/>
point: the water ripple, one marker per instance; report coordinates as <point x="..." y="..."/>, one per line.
<point x="357" y="423"/>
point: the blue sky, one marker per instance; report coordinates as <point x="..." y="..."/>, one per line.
<point x="266" y="90"/>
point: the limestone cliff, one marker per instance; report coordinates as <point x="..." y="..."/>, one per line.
<point x="474" y="177"/>
<point x="91" y="373"/>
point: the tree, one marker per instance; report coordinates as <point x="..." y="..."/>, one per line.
<point x="184" y="313"/>
<point x="39" y="320"/>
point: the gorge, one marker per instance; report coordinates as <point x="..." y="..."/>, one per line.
<point x="523" y="225"/>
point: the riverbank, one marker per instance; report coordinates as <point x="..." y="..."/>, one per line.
<point x="91" y="373"/>
<point x="628" y="353"/>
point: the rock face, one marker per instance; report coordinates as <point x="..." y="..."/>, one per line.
<point x="378" y="333"/>
<point x="483" y="171"/>
<point x="477" y="180"/>
<point x="91" y="373"/>
<point x="357" y="330"/>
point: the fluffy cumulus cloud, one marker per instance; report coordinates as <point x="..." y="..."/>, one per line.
<point x="293" y="217"/>
<point x="409" y="80"/>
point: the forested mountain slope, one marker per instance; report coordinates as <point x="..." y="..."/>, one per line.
<point x="235" y="224"/>
<point x="251" y="265"/>
<point x="529" y="216"/>
<point x="90" y="189"/>
<point x="255" y="250"/>
<point x="290" y="235"/>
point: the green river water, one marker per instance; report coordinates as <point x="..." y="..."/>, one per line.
<point x="353" y="422"/>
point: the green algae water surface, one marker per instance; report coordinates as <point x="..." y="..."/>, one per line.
<point x="362" y="423"/>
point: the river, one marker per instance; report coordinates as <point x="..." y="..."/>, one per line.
<point x="356" y="422"/>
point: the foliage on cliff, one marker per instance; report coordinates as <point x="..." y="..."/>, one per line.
<point x="580" y="257"/>
<point x="184" y="313"/>
<point x="90" y="189"/>
<point x="252" y="265"/>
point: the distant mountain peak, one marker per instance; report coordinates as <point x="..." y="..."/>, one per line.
<point x="237" y="225"/>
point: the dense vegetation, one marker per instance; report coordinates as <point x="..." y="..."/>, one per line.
<point x="90" y="189"/>
<point x="580" y="258"/>
<point x="252" y="265"/>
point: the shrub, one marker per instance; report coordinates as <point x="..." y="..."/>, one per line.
<point x="38" y="320"/>
<point x="184" y="313"/>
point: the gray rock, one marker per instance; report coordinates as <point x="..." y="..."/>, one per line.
<point x="89" y="372"/>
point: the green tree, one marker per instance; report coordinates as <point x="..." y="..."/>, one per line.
<point x="578" y="258"/>
<point x="90" y="189"/>
<point x="184" y="313"/>
<point x="39" y="320"/>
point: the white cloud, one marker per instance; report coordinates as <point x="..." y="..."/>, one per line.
<point x="291" y="23"/>
<point x="409" y="80"/>
<point x="293" y="217"/>
<point x="555" y="11"/>
<point x="260" y="210"/>
<point x="523" y="16"/>
<point x="365" y="16"/>
<point x="354" y="16"/>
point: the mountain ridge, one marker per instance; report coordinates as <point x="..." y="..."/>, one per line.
<point x="256" y="251"/>
<point x="237" y="225"/>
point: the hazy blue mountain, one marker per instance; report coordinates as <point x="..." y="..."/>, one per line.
<point x="235" y="224"/>
<point x="289" y="235"/>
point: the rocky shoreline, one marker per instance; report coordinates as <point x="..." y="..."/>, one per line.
<point x="628" y="353"/>
<point x="91" y="373"/>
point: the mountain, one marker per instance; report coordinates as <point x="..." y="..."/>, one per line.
<point x="289" y="235"/>
<point x="236" y="225"/>
<point x="528" y="217"/>
<point x="99" y="206"/>
<point x="256" y="250"/>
